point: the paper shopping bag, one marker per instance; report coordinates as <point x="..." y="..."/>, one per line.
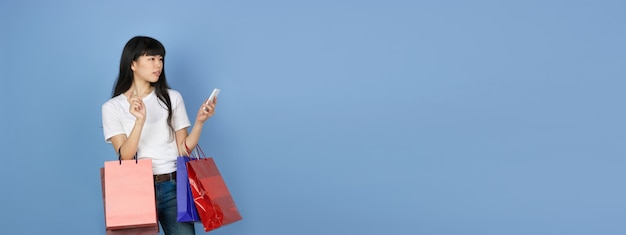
<point x="187" y="211"/>
<point x="215" y="205"/>
<point x="150" y="230"/>
<point x="129" y="194"/>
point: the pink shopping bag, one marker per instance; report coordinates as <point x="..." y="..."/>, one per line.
<point x="129" y="199"/>
<point x="150" y="230"/>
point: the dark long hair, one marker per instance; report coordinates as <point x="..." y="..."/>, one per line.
<point x="143" y="46"/>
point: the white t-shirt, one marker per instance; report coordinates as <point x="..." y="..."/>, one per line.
<point x="156" y="141"/>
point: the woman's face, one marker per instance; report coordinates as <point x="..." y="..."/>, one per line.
<point x="148" y="68"/>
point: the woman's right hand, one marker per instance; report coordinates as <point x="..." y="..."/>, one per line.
<point x="137" y="107"/>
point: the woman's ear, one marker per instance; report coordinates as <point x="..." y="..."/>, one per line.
<point x="132" y="66"/>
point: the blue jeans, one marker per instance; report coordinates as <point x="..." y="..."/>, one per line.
<point x="167" y="212"/>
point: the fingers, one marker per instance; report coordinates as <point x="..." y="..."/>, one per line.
<point x="137" y="107"/>
<point x="207" y="108"/>
<point x="211" y="101"/>
<point x="136" y="103"/>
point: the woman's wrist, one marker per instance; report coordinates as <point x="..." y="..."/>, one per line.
<point x="140" y="121"/>
<point x="200" y="122"/>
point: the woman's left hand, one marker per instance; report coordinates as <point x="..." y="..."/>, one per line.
<point x="206" y="110"/>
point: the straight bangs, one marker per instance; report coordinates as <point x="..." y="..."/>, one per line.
<point x="152" y="48"/>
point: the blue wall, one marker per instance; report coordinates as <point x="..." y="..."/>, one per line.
<point x="336" y="117"/>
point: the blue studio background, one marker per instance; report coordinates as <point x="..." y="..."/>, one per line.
<point x="335" y="117"/>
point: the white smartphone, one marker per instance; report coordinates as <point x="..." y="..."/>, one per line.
<point x="214" y="94"/>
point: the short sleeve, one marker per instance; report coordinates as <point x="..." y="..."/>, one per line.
<point x="180" y="119"/>
<point x="111" y="121"/>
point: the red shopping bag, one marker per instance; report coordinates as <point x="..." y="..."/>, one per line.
<point x="215" y="205"/>
<point x="150" y="230"/>
<point x="129" y="199"/>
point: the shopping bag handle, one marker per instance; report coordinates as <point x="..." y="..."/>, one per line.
<point x="119" y="156"/>
<point x="198" y="151"/>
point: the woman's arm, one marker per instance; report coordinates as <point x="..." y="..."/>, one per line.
<point x="127" y="146"/>
<point x="187" y="142"/>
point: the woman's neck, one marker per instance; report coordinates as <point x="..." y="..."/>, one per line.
<point x="140" y="89"/>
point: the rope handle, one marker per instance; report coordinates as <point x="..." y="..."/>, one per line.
<point x="199" y="152"/>
<point x="119" y="156"/>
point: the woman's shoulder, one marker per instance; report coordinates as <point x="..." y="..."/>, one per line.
<point x="115" y="101"/>
<point x="174" y="94"/>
